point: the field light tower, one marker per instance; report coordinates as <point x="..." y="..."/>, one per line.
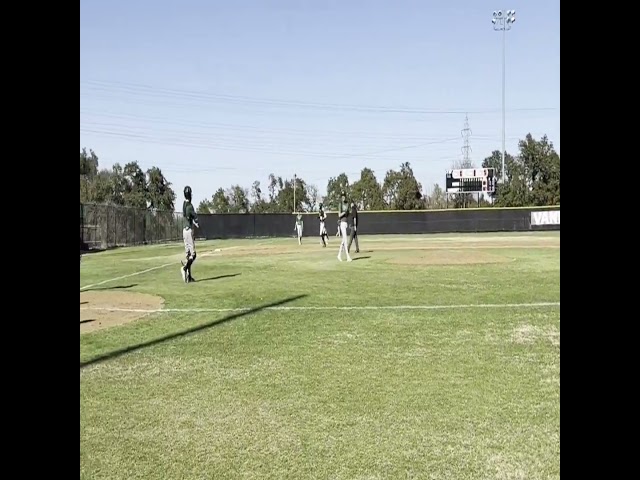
<point x="502" y="22"/>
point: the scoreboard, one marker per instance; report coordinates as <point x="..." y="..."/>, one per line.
<point x="471" y="180"/>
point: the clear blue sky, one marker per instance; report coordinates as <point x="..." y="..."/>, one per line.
<point x="217" y="93"/>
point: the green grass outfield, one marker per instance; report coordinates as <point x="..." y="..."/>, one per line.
<point x="433" y="357"/>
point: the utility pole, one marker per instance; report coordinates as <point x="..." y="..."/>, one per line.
<point x="294" y="192"/>
<point x="502" y="22"/>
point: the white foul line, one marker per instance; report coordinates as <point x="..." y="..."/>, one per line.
<point x="206" y="254"/>
<point x="303" y="308"/>
<point x="127" y="276"/>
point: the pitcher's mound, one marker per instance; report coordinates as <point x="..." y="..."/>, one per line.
<point x="451" y="257"/>
<point x="95" y="313"/>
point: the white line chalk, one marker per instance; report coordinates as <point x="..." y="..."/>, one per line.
<point x="127" y="276"/>
<point x="207" y="254"/>
<point x="305" y="308"/>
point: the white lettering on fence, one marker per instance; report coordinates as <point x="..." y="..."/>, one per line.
<point x="545" y="218"/>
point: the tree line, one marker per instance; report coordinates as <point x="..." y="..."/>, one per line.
<point x="532" y="179"/>
<point x="127" y="186"/>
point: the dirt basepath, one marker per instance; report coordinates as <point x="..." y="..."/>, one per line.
<point x="94" y="313"/>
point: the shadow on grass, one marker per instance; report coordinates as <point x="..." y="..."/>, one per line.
<point x="183" y="333"/>
<point x="87" y="321"/>
<point x="91" y="251"/>
<point x="117" y="287"/>
<point x="218" y="277"/>
<point x="82" y="303"/>
<point x="360" y="258"/>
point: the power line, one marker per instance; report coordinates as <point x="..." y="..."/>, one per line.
<point x="372" y="134"/>
<point x="250" y="137"/>
<point x="269" y="114"/>
<point x="150" y="91"/>
<point x="217" y="146"/>
<point x="260" y="139"/>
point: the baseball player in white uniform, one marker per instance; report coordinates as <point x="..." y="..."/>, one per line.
<point x="299" y="227"/>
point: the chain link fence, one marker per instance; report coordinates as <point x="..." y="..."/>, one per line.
<point x="107" y="226"/>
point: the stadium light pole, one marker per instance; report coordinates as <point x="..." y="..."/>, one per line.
<point x="502" y="22"/>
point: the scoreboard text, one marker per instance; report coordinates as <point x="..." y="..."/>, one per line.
<point x="471" y="180"/>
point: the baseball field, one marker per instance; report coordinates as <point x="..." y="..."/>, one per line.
<point x="433" y="357"/>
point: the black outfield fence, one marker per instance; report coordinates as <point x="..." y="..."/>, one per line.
<point x="247" y="225"/>
<point x="107" y="226"/>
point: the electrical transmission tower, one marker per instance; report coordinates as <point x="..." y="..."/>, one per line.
<point x="466" y="153"/>
<point x="466" y="149"/>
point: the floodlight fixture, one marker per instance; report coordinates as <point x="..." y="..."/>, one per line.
<point x="502" y="22"/>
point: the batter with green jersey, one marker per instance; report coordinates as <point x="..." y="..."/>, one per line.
<point x="323" y="231"/>
<point x="343" y="216"/>
<point x="299" y="226"/>
<point x="190" y="221"/>
<point x="354" y="228"/>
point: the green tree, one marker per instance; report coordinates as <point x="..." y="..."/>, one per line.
<point x="88" y="173"/>
<point x="335" y="186"/>
<point x="204" y="207"/>
<point x="258" y="203"/>
<point x="515" y="192"/>
<point x="366" y="192"/>
<point x="311" y="198"/>
<point x="160" y="195"/>
<point x="532" y="178"/>
<point x="495" y="161"/>
<point x="541" y="164"/>
<point x="275" y="184"/>
<point x="437" y="199"/>
<point x="88" y="164"/>
<point x="135" y="186"/>
<point x="119" y="185"/>
<point x="401" y="190"/>
<point x="128" y="186"/>
<point x="238" y="199"/>
<point x="220" y="202"/>
<point x="100" y="189"/>
<point x="285" y="197"/>
<point x="256" y="192"/>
